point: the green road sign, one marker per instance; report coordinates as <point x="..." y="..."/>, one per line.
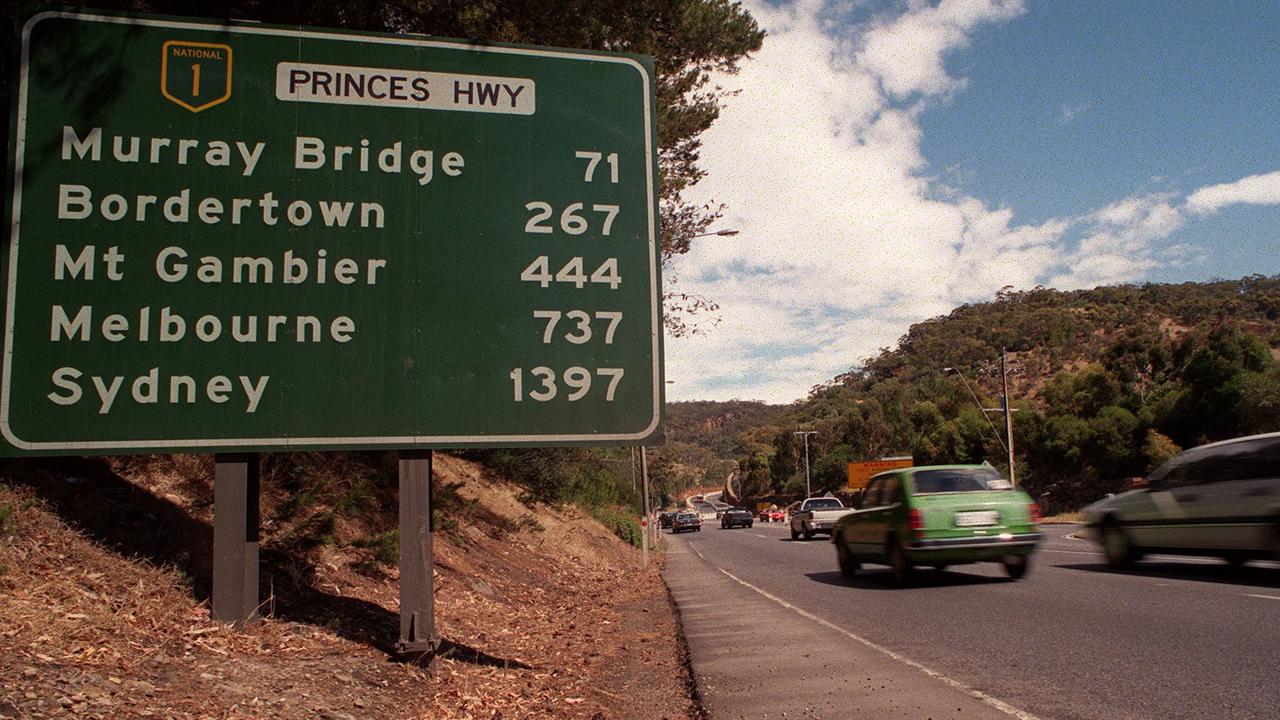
<point x="247" y="237"/>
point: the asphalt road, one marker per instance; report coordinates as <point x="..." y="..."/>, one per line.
<point x="1173" y="638"/>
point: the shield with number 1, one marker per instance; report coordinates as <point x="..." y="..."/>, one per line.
<point x="195" y="75"/>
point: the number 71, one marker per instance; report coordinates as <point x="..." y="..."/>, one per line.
<point x="593" y="159"/>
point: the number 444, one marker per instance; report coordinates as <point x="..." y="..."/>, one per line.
<point x="573" y="272"/>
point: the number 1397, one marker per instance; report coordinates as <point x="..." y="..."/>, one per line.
<point x="576" y="380"/>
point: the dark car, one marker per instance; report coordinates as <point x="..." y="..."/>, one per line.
<point x="736" y="517"/>
<point x="664" y="519"/>
<point x="686" y="521"/>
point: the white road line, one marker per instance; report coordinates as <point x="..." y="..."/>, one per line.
<point x="993" y="702"/>
<point x="1264" y="597"/>
<point x="1186" y="559"/>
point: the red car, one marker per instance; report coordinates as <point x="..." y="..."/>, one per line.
<point x="772" y="515"/>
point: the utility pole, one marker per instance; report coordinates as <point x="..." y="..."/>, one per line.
<point x="808" y="491"/>
<point x="1008" y="416"/>
<point x="1004" y="408"/>
<point x="644" y="529"/>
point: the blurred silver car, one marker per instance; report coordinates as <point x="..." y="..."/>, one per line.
<point x="1221" y="499"/>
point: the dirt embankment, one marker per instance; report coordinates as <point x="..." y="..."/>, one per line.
<point x="104" y="613"/>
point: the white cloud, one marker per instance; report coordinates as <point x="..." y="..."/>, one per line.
<point x="844" y="241"/>
<point x="1183" y="255"/>
<point x="1254" y="190"/>
<point x="1120" y="242"/>
<point x="1069" y="113"/>
<point x="906" y="52"/>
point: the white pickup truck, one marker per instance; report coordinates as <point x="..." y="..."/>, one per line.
<point x="816" y="515"/>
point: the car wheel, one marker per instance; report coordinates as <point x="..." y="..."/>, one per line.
<point x="899" y="565"/>
<point x="1016" y="566"/>
<point x="849" y="565"/>
<point x="794" y="535"/>
<point x="1117" y="546"/>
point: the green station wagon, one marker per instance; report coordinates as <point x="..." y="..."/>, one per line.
<point x="938" y="516"/>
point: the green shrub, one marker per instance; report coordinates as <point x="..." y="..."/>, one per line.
<point x="318" y="529"/>
<point x="385" y="546"/>
<point x="358" y="498"/>
<point x="620" y="520"/>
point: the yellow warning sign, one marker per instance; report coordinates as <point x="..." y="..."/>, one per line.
<point x="861" y="472"/>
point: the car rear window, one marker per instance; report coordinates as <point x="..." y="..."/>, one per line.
<point x="960" y="480"/>
<point x="824" y="503"/>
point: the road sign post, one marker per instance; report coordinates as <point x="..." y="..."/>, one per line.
<point x="644" y="482"/>
<point x="235" y="538"/>
<point x="417" y="594"/>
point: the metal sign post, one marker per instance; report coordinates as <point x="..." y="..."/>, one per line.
<point x="235" y="538"/>
<point x="418" y="637"/>
<point x="644" y="482"/>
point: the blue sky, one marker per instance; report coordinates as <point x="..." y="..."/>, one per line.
<point x="887" y="161"/>
<point x="1072" y="105"/>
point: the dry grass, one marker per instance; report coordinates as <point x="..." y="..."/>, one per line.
<point x="545" y="613"/>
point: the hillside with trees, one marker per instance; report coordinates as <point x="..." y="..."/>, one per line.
<point x="1106" y="383"/>
<point x="702" y="442"/>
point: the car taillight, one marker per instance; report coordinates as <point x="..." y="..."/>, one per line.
<point x="1034" y="509"/>
<point x="916" y="520"/>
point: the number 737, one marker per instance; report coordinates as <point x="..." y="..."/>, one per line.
<point x="582" y="333"/>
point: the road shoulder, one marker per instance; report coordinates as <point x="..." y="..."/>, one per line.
<point x="755" y="656"/>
